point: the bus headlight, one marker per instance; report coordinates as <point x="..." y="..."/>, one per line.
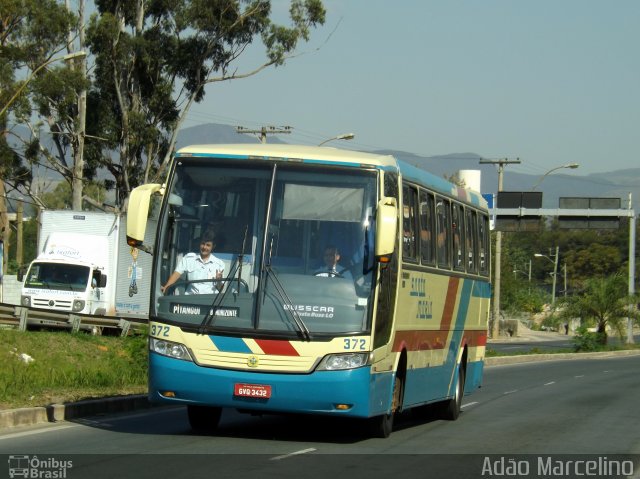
<point x="170" y="349"/>
<point x="25" y="301"/>
<point x="78" y="305"/>
<point x="334" y="362"/>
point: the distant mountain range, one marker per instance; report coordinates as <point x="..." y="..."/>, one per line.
<point x="614" y="184"/>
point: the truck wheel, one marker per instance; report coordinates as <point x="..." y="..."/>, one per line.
<point x="204" y="419"/>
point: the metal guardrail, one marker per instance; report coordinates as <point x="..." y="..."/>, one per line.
<point x="21" y="317"/>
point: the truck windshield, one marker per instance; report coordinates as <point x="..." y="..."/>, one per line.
<point x="60" y="276"/>
<point x="295" y="242"/>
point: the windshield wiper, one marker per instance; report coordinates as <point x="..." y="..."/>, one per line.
<point x="284" y="298"/>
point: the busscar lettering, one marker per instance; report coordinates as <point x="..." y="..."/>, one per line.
<point x="310" y="310"/>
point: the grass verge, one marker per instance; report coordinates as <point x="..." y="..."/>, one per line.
<point x="41" y="367"/>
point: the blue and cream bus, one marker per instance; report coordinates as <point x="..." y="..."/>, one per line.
<point x="402" y="325"/>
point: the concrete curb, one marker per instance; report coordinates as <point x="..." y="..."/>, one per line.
<point x="531" y="358"/>
<point x="68" y="411"/>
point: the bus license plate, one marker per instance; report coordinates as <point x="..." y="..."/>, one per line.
<point x="252" y="391"/>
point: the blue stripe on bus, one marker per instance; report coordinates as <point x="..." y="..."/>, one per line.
<point x="229" y="344"/>
<point x="481" y="289"/>
<point x="458" y="328"/>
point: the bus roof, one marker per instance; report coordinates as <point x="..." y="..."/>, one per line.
<point x="288" y="152"/>
<point x="324" y="154"/>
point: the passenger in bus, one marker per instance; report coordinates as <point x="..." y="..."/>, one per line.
<point x="203" y="266"/>
<point x="331" y="268"/>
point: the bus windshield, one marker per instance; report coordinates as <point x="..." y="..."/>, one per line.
<point x="296" y="244"/>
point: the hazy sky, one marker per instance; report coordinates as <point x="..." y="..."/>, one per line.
<point x="547" y="81"/>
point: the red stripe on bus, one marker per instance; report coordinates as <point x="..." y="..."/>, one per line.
<point x="420" y="340"/>
<point x="450" y="304"/>
<point x="276" y="347"/>
<point x="475" y="338"/>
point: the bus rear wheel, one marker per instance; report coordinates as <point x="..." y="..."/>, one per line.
<point x="204" y="419"/>
<point x="451" y="408"/>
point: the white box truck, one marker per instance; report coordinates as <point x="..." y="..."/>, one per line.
<point x="84" y="265"/>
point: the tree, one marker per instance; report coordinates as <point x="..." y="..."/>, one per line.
<point x="31" y="35"/>
<point x="154" y="60"/>
<point x="603" y="300"/>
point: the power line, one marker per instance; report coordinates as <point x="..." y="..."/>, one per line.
<point x="266" y="130"/>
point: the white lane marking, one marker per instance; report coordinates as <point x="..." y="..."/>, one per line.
<point x="581" y="376"/>
<point x="550" y="383"/>
<point x="510" y="392"/>
<point x="468" y="404"/>
<point x="39" y="431"/>
<point x="296" y="453"/>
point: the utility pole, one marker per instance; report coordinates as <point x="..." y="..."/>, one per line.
<point x="632" y="269"/>
<point x="266" y="130"/>
<point x="20" y="235"/>
<point x="555" y="276"/>
<point x="496" y="274"/>
<point x="5" y="227"/>
<point x="79" y="137"/>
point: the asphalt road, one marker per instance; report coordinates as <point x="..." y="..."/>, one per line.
<point x="583" y="406"/>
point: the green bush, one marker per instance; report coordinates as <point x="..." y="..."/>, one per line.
<point x="585" y="341"/>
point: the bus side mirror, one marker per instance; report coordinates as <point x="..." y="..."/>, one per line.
<point x="138" y="212"/>
<point x="386" y="227"/>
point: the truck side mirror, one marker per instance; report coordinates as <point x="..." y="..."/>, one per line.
<point x="98" y="280"/>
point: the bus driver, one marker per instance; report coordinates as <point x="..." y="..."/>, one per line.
<point x="199" y="267"/>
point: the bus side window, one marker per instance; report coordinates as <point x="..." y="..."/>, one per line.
<point x="471" y="238"/>
<point x="457" y="226"/>
<point x="409" y="223"/>
<point x="427" y="228"/>
<point x="443" y="227"/>
<point x="483" y="228"/>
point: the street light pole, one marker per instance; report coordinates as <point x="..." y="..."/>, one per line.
<point x="495" y="331"/>
<point x="344" y="136"/>
<point x="572" y="166"/>
<point x="555" y="272"/>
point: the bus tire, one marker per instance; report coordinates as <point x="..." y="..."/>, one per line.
<point x="381" y="426"/>
<point x="451" y="408"/>
<point x="204" y="419"/>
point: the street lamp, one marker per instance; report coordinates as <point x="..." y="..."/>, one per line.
<point x="344" y="136"/>
<point x="516" y="271"/>
<point x="555" y="272"/>
<point x="70" y="56"/>
<point x="572" y="166"/>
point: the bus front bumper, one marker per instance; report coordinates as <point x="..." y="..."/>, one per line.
<point x="353" y="393"/>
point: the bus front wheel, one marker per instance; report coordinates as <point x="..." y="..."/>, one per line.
<point x="204" y="419"/>
<point x="381" y="426"/>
